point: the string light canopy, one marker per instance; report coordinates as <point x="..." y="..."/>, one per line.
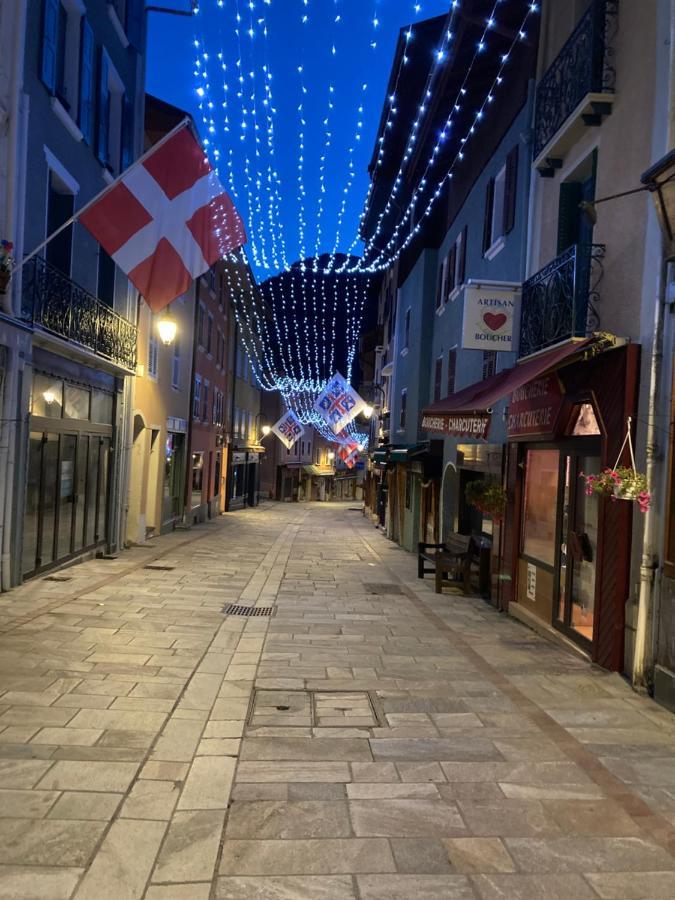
<point x="284" y="93"/>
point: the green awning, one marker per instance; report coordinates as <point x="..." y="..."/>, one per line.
<point x="379" y="456"/>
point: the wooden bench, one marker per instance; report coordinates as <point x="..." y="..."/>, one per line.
<point x="453" y="559"/>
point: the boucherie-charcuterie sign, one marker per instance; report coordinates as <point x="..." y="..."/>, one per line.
<point x="488" y="317"/>
<point x="534" y="408"/>
<point x="465" y="425"/>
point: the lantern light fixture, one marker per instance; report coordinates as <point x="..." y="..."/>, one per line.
<point x="167" y="328"/>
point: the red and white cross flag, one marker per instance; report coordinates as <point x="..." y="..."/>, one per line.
<point x="167" y="219"/>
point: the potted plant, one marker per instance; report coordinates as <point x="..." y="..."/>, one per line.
<point x="6" y="263"/>
<point x="488" y="496"/>
<point x="620" y="483"/>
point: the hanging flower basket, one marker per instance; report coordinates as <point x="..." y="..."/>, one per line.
<point x="488" y="496"/>
<point x="621" y="482"/>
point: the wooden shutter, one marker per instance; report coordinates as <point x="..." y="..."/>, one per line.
<point x="102" y="131"/>
<point x="487" y="220"/>
<point x="510" y="187"/>
<point x="439" y="285"/>
<point x="127" y="148"/>
<point x="438" y="375"/>
<point x="461" y="264"/>
<point x="452" y="270"/>
<point x="50" y="39"/>
<point x="568" y="215"/>
<point x="86" y="111"/>
<point x="452" y="368"/>
<point x="134" y="23"/>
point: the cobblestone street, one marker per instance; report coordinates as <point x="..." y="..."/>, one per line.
<point x="368" y="740"/>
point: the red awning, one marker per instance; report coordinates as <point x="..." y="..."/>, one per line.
<point x="483" y="395"/>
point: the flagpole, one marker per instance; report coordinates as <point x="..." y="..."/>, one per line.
<point x="100" y="195"/>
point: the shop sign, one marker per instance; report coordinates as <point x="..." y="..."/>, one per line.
<point x="531" y="582"/>
<point x="178" y="425"/>
<point x="488" y="317"/>
<point x="469" y="425"/>
<point x="534" y="407"/>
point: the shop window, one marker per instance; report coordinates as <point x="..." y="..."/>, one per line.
<point x="539" y="505"/>
<point x="47" y="397"/>
<point x="583" y="421"/>
<point x="101" y="407"/>
<point x="77" y="403"/>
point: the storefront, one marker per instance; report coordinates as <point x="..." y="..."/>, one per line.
<point x="173" y="490"/>
<point x="244" y="478"/>
<point x="71" y="435"/>
<point x="569" y="551"/>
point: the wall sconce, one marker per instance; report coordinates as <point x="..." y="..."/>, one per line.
<point x="167" y="328"/>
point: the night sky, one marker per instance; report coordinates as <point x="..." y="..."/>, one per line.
<point x="289" y="44"/>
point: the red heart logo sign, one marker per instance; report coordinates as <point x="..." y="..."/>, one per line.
<point x="494" y="321"/>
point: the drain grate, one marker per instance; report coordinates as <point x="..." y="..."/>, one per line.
<point x="59" y="578"/>
<point x="158" y="568"/>
<point x="381" y="588"/>
<point x="233" y="609"/>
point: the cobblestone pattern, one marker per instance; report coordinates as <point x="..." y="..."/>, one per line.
<point x="431" y="748"/>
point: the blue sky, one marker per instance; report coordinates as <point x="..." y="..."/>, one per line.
<point x="273" y="202"/>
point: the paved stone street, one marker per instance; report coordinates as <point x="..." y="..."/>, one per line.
<point x="369" y="740"/>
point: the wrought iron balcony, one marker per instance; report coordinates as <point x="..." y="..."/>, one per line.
<point x="581" y="79"/>
<point x="560" y="301"/>
<point x="53" y="302"/>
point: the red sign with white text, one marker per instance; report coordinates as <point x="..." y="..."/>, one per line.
<point x="534" y="408"/>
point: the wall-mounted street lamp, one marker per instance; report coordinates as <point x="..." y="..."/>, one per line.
<point x="266" y="430"/>
<point x="367" y="411"/>
<point x="49" y="396"/>
<point x="167" y="328"/>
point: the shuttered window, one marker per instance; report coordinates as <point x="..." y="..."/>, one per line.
<point x="487" y="220"/>
<point x="50" y="42"/>
<point x="87" y="65"/>
<point x="103" y="124"/>
<point x="461" y="256"/>
<point x="452" y="368"/>
<point x="510" y="188"/>
<point x="438" y="375"/>
<point x="452" y="271"/>
<point x="127" y="149"/>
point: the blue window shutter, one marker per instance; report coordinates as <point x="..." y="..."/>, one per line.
<point x="103" y="110"/>
<point x="134" y="23"/>
<point x="50" y="37"/>
<point x="127" y="151"/>
<point x="86" y="115"/>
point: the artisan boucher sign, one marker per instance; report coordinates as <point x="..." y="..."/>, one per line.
<point x="469" y="425"/>
<point x="489" y="317"/>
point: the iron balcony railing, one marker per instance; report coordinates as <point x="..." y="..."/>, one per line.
<point x="585" y="65"/>
<point x="53" y="302"/>
<point x="560" y="301"/>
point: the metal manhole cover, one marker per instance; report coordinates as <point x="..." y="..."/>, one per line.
<point x="59" y="578"/>
<point x="158" y="568"/>
<point x="326" y="709"/>
<point x="232" y="609"/>
<point x="381" y="588"/>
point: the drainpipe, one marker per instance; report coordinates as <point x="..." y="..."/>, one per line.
<point x="643" y="653"/>
<point x="187" y="493"/>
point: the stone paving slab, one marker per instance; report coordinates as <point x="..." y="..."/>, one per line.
<point x="431" y="748"/>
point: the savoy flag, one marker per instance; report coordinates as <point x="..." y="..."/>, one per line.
<point x="338" y="403"/>
<point x="288" y="429"/>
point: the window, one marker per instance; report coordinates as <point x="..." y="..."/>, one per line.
<point x="302" y="449"/>
<point x="220" y="349"/>
<point x="153" y="349"/>
<point x="489" y="363"/>
<point x="105" y="288"/>
<point x="196" y="404"/>
<point x="209" y="333"/>
<point x="114" y="141"/>
<point x="205" y="401"/>
<point x="61" y="53"/>
<point x="404" y="403"/>
<point x="47" y="397"/>
<point x="101" y="407"/>
<point x="77" y="402"/>
<point x="60" y="206"/>
<point x="130" y="17"/>
<point x="441" y="286"/>
<point x="201" y="319"/>
<point x="438" y="375"/>
<point x="539" y="506"/>
<point x="175" y="367"/>
<point x="452" y="368"/>
<point x="406" y="330"/>
<point x="500" y="204"/>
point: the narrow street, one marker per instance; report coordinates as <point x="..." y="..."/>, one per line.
<point x="368" y="740"/>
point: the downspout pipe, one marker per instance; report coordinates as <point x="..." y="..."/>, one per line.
<point x="187" y="493"/>
<point x="643" y="653"/>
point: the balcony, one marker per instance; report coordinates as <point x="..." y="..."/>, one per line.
<point x="560" y="301"/>
<point x="58" y="305"/>
<point x="577" y="90"/>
